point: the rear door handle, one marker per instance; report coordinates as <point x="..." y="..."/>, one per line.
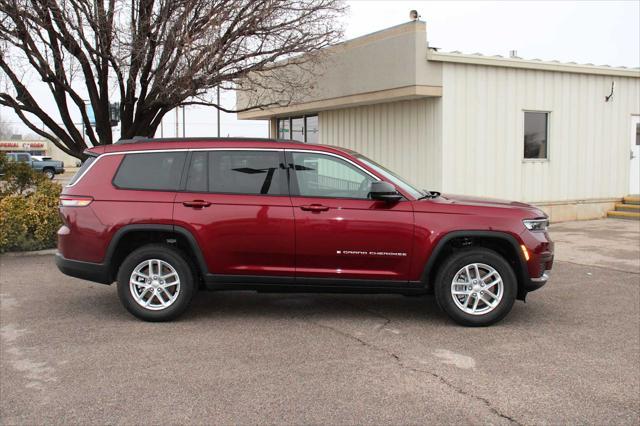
<point x="316" y="208"/>
<point x="196" y="204"/>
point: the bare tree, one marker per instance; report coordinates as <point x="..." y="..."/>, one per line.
<point x="151" y="56"/>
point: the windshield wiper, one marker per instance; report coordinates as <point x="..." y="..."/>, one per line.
<point x="429" y="194"/>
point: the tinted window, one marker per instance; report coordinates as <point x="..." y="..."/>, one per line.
<point x="156" y="171"/>
<point x="535" y="134"/>
<point x="197" y="177"/>
<point x="23" y="158"/>
<point x="87" y="163"/>
<point x="321" y="175"/>
<point x="247" y="172"/>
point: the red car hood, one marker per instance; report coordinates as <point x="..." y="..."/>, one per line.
<point x="462" y="200"/>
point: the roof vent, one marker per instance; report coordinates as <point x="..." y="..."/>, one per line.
<point x="413" y="15"/>
<point x="513" y="53"/>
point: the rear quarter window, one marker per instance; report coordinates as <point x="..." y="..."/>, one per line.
<point x="159" y="171"/>
<point x="83" y="168"/>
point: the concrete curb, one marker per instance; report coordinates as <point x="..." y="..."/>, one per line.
<point x="29" y="253"/>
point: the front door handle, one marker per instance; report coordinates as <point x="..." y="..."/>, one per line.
<point x="316" y="208"/>
<point x="196" y="204"/>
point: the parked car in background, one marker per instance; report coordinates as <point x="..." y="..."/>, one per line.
<point x="164" y="218"/>
<point x="46" y="165"/>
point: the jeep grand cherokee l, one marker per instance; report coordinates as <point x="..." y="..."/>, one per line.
<point x="165" y="218"/>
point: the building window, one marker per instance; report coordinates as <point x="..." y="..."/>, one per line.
<point x="284" y="128"/>
<point x="303" y="129"/>
<point x="536" y="135"/>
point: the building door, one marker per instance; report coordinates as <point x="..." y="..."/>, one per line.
<point x="340" y="232"/>
<point x="634" y="172"/>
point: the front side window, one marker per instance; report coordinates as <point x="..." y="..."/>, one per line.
<point x="393" y="177"/>
<point x="535" y="135"/>
<point x="160" y="171"/>
<point x="320" y="175"/>
<point x="247" y="172"/>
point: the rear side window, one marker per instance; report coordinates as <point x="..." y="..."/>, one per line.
<point x="83" y="168"/>
<point x="247" y="172"/>
<point x="160" y="171"/>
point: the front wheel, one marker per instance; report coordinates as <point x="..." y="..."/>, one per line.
<point x="155" y="283"/>
<point x="476" y="287"/>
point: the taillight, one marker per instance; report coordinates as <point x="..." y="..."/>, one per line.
<point x="72" y="201"/>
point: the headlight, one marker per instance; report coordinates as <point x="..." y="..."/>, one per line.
<point x="536" y="224"/>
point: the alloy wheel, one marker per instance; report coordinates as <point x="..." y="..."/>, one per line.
<point x="154" y="284"/>
<point x="477" y="288"/>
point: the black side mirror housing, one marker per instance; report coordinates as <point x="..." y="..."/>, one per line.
<point x="384" y="191"/>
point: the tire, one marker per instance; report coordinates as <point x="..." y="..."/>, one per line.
<point x="50" y="174"/>
<point x="471" y="286"/>
<point x="173" y="265"/>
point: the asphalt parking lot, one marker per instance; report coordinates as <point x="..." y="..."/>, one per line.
<point x="71" y="354"/>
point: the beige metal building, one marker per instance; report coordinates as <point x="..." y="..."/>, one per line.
<point x="559" y="135"/>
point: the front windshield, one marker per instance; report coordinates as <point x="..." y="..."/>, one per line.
<point x="397" y="180"/>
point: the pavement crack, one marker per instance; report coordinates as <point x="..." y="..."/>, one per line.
<point x="386" y="319"/>
<point x="402" y="364"/>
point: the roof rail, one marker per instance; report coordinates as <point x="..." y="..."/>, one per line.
<point x="144" y="139"/>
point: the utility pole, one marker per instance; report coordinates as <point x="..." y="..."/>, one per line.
<point x="218" y="95"/>
<point x="177" y="124"/>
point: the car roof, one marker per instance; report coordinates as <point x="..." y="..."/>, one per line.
<point x="152" y="144"/>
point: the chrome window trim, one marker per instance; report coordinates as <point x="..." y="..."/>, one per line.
<point x="337" y="156"/>
<point x="142" y="151"/>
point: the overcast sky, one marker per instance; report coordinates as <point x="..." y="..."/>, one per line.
<point x="598" y="32"/>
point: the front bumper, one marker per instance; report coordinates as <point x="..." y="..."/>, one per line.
<point x="96" y="272"/>
<point x="536" y="283"/>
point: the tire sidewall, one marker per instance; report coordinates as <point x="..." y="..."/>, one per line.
<point x="50" y="174"/>
<point x="451" y="267"/>
<point x="177" y="261"/>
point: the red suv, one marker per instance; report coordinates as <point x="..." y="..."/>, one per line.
<point x="165" y="218"/>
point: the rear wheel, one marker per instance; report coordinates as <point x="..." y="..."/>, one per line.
<point x="156" y="283"/>
<point x="476" y="287"/>
<point x="49" y="173"/>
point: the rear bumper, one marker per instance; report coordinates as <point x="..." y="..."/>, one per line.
<point x="96" y="272"/>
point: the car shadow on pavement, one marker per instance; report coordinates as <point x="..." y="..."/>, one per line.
<point x="102" y="302"/>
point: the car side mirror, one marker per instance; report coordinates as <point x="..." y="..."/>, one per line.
<point x="384" y="191"/>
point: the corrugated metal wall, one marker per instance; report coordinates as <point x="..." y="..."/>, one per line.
<point x="403" y="136"/>
<point x="483" y="122"/>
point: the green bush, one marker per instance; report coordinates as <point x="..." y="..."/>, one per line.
<point x="29" y="215"/>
